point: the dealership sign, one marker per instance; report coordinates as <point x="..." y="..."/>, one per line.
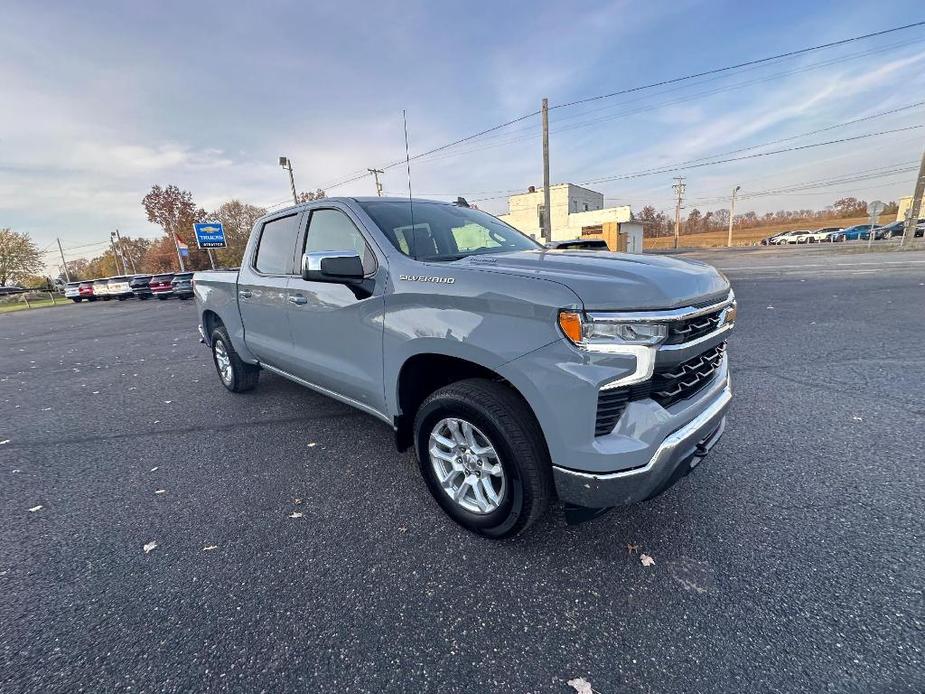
<point x="210" y="235"/>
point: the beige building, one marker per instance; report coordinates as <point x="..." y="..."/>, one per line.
<point x="905" y="204"/>
<point x="575" y="212"/>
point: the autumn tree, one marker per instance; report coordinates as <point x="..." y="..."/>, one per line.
<point x="309" y="196"/>
<point x="175" y="212"/>
<point x="19" y="257"/>
<point x="238" y="219"/>
<point x="850" y="207"/>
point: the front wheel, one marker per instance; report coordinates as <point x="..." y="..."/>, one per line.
<point x="235" y="374"/>
<point x="483" y="457"/>
<point x="76" y="300"/>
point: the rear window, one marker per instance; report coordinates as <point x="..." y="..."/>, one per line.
<point x="276" y="246"/>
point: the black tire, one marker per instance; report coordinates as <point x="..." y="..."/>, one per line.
<point x="161" y="297"/>
<point x="92" y="298"/>
<point x="243" y="376"/>
<point x="510" y="427"/>
<point x="76" y="299"/>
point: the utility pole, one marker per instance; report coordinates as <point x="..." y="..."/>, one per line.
<point x="732" y="214"/>
<point x="126" y="254"/>
<point x="547" y="207"/>
<point x="67" y="275"/>
<point x="115" y="253"/>
<point x="287" y="164"/>
<point x="375" y="173"/>
<point x="679" y="188"/>
<point x="916" y="207"/>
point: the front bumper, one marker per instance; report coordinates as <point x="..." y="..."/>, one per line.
<point x="675" y="456"/>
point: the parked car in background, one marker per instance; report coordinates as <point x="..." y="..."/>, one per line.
<point x="771" y="240"/>
<point x="141" y="286"/>
<point x="119" y="287"/>
<point x="824" y="234"/>
<point x="791" y="237"/>
<point x="579" y="245"/>
<point x="86" y="290"/>
<point x="11" y="290"/>
<point x="182" y="285"/>
<point x="858" y="231"/>
<point x="160" y="285"/>
<point x="72" y="292"/>
<point x="101" y="289"/>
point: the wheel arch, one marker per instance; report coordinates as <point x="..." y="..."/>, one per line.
<point x="425" y="372"/>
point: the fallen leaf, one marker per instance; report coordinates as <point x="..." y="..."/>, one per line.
<point x="96" y="392"/>
<point x="167" y="402"/>
<point x="157" y="421"/>
<point x="154" y="468"/>
<point x="297" y="501"/>
<point x="295" y="514"/>
<point x="15" y="471"/>
<point x="5" y="441"/>
<point x="312" y="444"/>
<point x="209" y="548"/>
<point x="150" y="547"/>
<point x="632" y="549"/>
<point x="646" y="560"/>
<point x="35" y="508"/>
<point x="46" y="409"/>
<point x="770" y="307"/>
<point x="160" y="491"/>
<point x="858" y="419"/>
<point x="581" y="685"/>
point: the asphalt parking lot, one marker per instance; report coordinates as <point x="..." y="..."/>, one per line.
<point x="791" y="561"/>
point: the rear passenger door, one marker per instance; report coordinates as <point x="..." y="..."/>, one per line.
<point x="263" y="283"/>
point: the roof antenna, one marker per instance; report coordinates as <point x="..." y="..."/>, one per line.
<point x="404" y="118"/>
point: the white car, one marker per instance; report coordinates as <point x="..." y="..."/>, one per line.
<point x="120" y="288"/>
<point x="72" y="292"/>
<point x="824" y="234"/>
<point x="788" y="237"/>
<point x="101" y="289"/>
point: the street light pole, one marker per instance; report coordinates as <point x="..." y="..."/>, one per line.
<point x="287" y="164"/>
<point x="732" y="214"/>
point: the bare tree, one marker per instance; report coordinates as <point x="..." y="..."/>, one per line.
<point x="19" y="257"/>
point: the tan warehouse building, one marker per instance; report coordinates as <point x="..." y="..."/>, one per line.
<point x="574" y="212"/>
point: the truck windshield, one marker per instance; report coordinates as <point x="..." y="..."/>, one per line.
<point x="444" y="232"/>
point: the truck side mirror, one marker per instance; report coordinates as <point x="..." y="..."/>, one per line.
<point x="341" y="267"/>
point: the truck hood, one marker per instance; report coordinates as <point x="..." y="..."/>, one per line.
<point x="613" y="281"/>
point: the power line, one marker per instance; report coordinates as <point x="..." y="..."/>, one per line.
<point x="638" y="88"/>
<point x="788" y="54"/>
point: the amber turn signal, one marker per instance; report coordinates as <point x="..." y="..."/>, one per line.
<point x="570" y="322"/>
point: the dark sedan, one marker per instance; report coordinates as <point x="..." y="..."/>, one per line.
<point x="141" y="286"/>
<point x="182" y="285"/>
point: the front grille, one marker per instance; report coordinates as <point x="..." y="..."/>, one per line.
<point x="680" y="382"/>
<point x="692" y="328"/>
<point x="667" y="386"/>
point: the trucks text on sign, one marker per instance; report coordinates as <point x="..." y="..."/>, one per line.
<point x="210" y="235"/>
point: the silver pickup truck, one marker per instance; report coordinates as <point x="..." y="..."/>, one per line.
<point x="516" y="372"/>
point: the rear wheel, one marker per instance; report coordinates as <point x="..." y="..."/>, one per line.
<point x="76" y="299"/>
<point x="483" y="457"/>
<point x="235" y="374"/>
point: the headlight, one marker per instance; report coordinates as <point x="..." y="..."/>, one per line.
<point x="603" y="335"/>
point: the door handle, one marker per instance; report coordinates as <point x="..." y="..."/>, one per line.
<point x="298" y="299"/>
<point x="245" y="293"/>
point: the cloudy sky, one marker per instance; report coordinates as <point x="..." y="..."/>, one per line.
<point x="102" y="100"/>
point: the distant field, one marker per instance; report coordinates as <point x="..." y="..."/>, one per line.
<point x="749" y="237"/>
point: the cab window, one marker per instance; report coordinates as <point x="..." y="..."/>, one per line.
<point x="277" y="242"/>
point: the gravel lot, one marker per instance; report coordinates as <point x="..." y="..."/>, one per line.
<point x="791" y="561"/>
